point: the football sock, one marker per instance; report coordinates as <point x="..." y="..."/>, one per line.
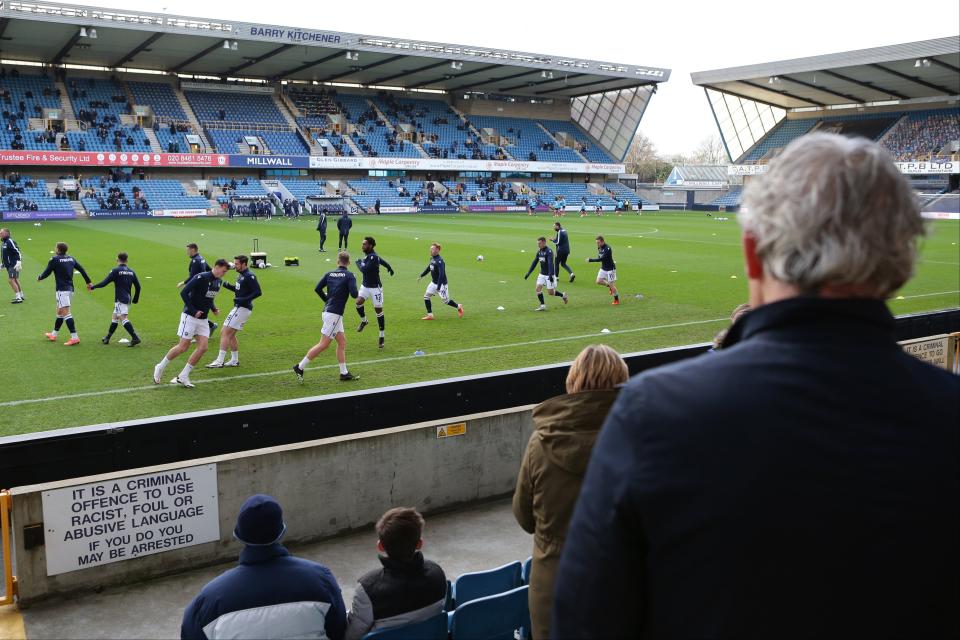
<point x="558" y="293"/>
<point x="361" y="311"/>
<point x="381" y="322"/>
<point x="129" y="327"/>
<point x="221" y="355"/>
<point x="616" y="296"/>
<point x="540" y="297"/>
<point x="234" y="356"/>
<point x="343" y="367"/>
<point x="452" y="303"/>
<point x="185" y="374"/>
<point x="304" y="362"/>
<point x="428" y="305"/>
<point x="71" y="326"/>
<point x="113" y="327"/>
<point x="57" y="324"/>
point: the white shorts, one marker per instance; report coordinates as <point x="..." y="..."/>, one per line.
<point x="608" y="276"/>
<point x="120" y="309"/>
<point x="332" y="325"/>
<point x="237" y="317"/>
<point x="191" y="327"/>
<point x="64" y="298"/>
<point x="550" y="282"/>
<point x="375" y="295"/>
<point x="441" y="290"/>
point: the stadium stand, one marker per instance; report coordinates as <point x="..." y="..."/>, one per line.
<point x="241" y="108"/>
<point x="276" y="142"/>
<point x="439" y="130"/>
<point x="376" y="138"/>
<point x="25" y="96"/>
<point x="587" y="149"/>
<point x="159" y="194"/>
<point x="26" y="194"/>
<point x="303" y="189"/>
<point x="160" y="97"/>
<point x="729" y="199"/>
<point x="413" y="194"/>
<point x="923" y="133"/>
<point x="527" y="140"/>
<point x="624" y="193"/>
<point x="574" y="193"/>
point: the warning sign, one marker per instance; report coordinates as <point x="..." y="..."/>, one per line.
<point x="451" y="430"/>
<point x="103" y="522"/>
<point x="937" y="350"/>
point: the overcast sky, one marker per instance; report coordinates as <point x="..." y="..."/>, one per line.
<point x="684" y="36"/>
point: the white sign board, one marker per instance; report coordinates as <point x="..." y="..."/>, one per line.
<point x="94" y="524"/>
<point x="440" y="164"/>
<point x="913" y="168"/>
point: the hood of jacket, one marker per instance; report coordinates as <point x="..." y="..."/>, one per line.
<point x="567" y="426"/>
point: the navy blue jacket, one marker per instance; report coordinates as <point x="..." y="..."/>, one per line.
<point x="270" y="594"/>
<point x="802" y="482"/>
<point x="335" y="287"/>
<point x="62" y="268"/>
<point x="437" y="269"/>
<point x="199" y="293"/>
<point x="9" y="252"/>
<point x="545" y="258"/>
<point x="322" y="223"/>
<point x="124" y="279"/>
<point x="605" y="258"/>
<point x="344" y="223"/>
<point x="370" y="268"/>
<point x="246" y="290"/>
<point x="562" y="240"/>
<point x="197" y="265"/>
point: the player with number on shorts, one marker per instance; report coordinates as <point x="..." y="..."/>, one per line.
<point x="371" y="287"/>
<point x="245" y="291"/>
<point x="124" y="279"/>
<point x="62" y="267"/>
<point x="548" y="274"/>
<point x="608" y="268"/>
<point x="437" y="269"/>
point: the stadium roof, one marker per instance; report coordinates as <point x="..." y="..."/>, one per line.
<point x="51" y="33"/>
<point x="915" y="70"/>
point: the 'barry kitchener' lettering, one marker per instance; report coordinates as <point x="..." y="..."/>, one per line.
<point x="294" y="35"/>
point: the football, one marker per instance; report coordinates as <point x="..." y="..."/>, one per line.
<point x="479" y="258"/>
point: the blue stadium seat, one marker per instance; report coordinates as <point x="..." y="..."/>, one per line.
<point x="588" y="149"/>
<point x="470" y="586"/>
<point x="242" y="108"/>
<point x="434" y="628"/>
<point x="496" y="617"/>
<point x="527" y="567"/>
<point x="160" y="96"/>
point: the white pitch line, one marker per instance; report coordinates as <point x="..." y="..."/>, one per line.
<point x="927" y="295"/>
<point x="90" y="394"/>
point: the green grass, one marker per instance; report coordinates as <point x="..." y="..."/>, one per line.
<point x="687" y="266"/>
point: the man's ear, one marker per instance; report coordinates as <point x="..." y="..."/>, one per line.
<point x="753" y="261"/>
<point x="419" y="544"/>
<point x="380" y="547"/>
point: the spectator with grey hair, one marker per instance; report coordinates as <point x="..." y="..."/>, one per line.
<point x="803" y="481"/>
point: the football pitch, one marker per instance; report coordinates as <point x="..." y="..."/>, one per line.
<point x="679" y="274"/>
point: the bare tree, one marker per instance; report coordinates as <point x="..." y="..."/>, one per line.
<point x="644" y="160"/>
<point x="710" y="152"/>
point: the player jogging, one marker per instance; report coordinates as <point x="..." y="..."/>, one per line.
<point x="245" y="291"/>
<point x="197" y="265"/>
<point x="12" y="261"/>
<point x="532" y="205"/>
<point x="438" y="274"/>
<point x="548" y="274"/>
<point x="583" y="206"/>
<point x="198" y="296"/>
<point x="334" y="289"/>
<point x="62" y="267"/>
<point x="608" y="268"/>
<point x="124" y="279"/>
<point x="371" y="287"/>
<point x="562" y="240"/>
<point x="599" y="207"/>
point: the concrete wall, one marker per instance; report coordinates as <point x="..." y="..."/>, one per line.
<point x="559" y="110"/>
<point x="326" y="487"/>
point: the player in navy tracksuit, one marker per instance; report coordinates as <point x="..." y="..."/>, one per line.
<point x="12" y="261"/>
<point x="62" y="267"/>
<point x="438" y="274"/>
<point x="246" y="290"/>
<point x="548" y="274"/>
<point x="371" y="287"/>
<point x="608" y="268"/>
<point x="124" y="279"/>
<point x="322" y="228"/>
<point x="343" y="226"/>
<point x="198" y="296"/>
<point x="197" y="265"/>
<point x="562" y="240"/>
<point x="334" y="289"/>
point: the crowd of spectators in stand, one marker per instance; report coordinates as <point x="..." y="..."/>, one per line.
<point x="14" y="190"/>
<point x="695" y="499"/>
<point x="916" y="137"/>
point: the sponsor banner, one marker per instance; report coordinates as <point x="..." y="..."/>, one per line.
<point x="440" y="209"/>
<point x="94" y="524"/>
<point x="941" y="215"/>
<point x="111" y="159"/>
<point x="271" y="162"/>
<point x="947" y="167"/>
<point x="179" y="213"/>
<point x="39" y="215"/>
<point x="397" y="209"/>
<point x="121" y="214"/>
<point x="297" y="36"/>
<point x="439" y="164"/>
<point x="498" y="208"/>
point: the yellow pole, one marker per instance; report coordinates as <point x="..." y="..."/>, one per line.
<point x="10" y="581"/>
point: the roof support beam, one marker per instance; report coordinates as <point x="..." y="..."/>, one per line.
<point x="588" y="84"/>
<point x="922" y="83"/>
<point x="372" y="65"/>
<point x="257" y="60"/>
<point x="782" y="92"/>
<point x="194" y="58"/>
<point x="146" y="43"/>
<point x="492" y="80"/>
<point x="631" y="86"/>
<point x="4" y="23"/>
<point x="939" y="63"/>
<point x="861" y="83"/>
<point x="521" y="86"/>
<point x="489" y="67"/>
<point x="845" y="96"/>
<point x="743" y="97"/>
<point x="307" y="65"/>
<point x="409" y="73"/>
<point x="57" y="59"/>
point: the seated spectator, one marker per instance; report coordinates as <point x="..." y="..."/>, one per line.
<point x="740" y="311"/>
<point x="407" y="588"/>
<point x="271" y="594"/>
<point x="772" y="489"/>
